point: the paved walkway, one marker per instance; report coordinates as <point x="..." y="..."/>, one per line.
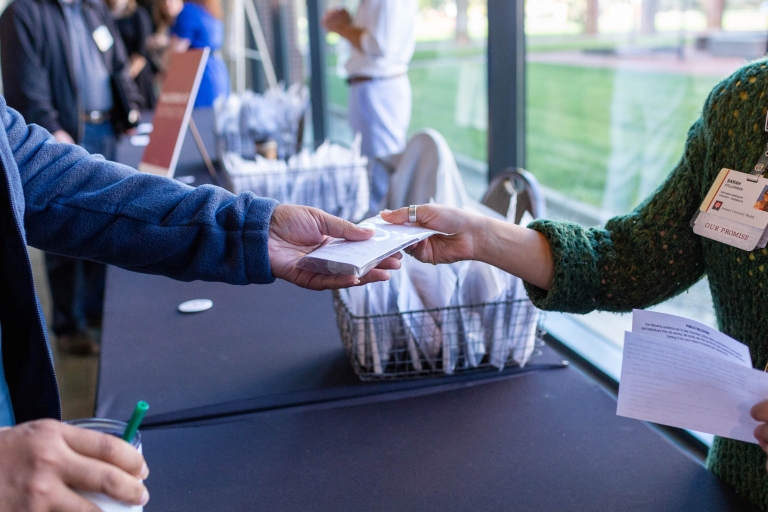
<point x="694" y="62"/>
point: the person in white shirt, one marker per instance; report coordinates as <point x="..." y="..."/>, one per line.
<point x="382" y="39"/>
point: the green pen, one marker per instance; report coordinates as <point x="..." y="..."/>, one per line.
<point x="135" y="421"/>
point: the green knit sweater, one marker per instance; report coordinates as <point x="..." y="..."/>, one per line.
<point x="652" y="254"/>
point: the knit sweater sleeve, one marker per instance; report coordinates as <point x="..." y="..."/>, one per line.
<point x="636" y="260"/>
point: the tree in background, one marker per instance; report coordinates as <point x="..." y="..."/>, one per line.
<point x="714" y="10"/>
<point x="462" y="22"/>
<point x="648" y="10"/>
<point x="590" y="24"/>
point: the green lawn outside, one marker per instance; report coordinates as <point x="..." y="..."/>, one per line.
<point x="569" y="115"/>
<point x="568" y="118"/>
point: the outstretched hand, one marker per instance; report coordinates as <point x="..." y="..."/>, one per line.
<point x="760" y="413"/>
<point x="520" y="251"/>
<point x="296" y="231"/>
<point x="460" y="245"/>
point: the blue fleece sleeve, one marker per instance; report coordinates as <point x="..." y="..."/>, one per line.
<point x="83" y="206"/>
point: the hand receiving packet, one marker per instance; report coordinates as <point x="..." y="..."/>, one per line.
<point x="357" y="258"/>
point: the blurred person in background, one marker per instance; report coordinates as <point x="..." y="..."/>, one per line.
<point x="199" y="25"/>
<point x="382" y="38"/>
<point x="164" y="14"/>
<point x="135" y="27"/>
<point x="65" y="68"/>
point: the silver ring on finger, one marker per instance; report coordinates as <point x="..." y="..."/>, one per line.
<point x="412" y="213"/>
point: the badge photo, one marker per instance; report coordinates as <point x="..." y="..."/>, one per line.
<point x="761" y="203"/>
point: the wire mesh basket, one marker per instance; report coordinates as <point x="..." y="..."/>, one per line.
<point x="340" y="190"/>
<point x="438" y="342"/>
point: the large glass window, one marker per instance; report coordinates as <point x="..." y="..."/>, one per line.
<point x="612" y="87"/>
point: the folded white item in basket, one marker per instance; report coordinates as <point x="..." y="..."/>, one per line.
<point x="372" y="340"/>
<point x="332" y="178"/>
<point x="479" y="283"/>
<point x="436" y="286"/>
<point x="379" y="329"/>
<point x="246" y="118"/>
<point x="422" y="335"/>
<point x="358" y="258"/>
<point x="515" y="321"/>
<point x="354" y="298"/>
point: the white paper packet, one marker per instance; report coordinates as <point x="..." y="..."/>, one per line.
<point x="479" y="283"/>
<point x="436" y="285"/>
<point x="422" y="333"/>
<point x="526" y="322"/>
<point x="380" y="329"/>
<point x="358" y="258"/>
<point x="354" y="298"/>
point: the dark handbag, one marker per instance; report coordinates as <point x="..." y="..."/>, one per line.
<point x="124" y="116"/>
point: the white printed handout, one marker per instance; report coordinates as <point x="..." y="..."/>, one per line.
<point x="662" y="325"/>
<point x="357" y="258"/>
<point x="680" y="373"/>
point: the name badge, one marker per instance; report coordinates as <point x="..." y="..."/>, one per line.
<point x="735" y="211"/>
<point x="103" y="38"/>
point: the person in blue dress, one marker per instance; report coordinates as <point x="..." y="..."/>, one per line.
<point x="199" y="25"/>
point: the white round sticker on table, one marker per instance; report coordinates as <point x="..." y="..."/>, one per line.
<point x="195" y="306"/>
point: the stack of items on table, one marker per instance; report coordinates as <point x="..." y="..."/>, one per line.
<point x="437" y="319"/>
<point x="258" y="144"/>
<point x="247" y="120"/>
<point x="332" y="178"/>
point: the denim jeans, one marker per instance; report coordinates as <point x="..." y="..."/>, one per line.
<point x="77" y="286"/>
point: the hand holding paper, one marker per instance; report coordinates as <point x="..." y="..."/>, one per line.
<point x="684" y="374"/>
<point x="520" y="251"/>
<point x="459" y="246"/>
<point x="357" y="256"/>
<point x="296" y="231"/>
<point x="760" y="413"/>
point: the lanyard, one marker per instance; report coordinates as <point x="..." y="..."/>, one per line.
<point x="762" y="164"/>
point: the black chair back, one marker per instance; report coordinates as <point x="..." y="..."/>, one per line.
<point x="516" y="182"/>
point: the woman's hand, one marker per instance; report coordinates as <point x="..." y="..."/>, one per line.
<point x="520" y="251"/>
<point x="43" y="463"/>
<point x="460" y="244"/>
<point x="296" y="231"/>
<point x="760" y="413"/>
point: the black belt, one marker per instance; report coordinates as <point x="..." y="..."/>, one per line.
<point x="360" y="79"/>
<point x="94" y="117"/>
